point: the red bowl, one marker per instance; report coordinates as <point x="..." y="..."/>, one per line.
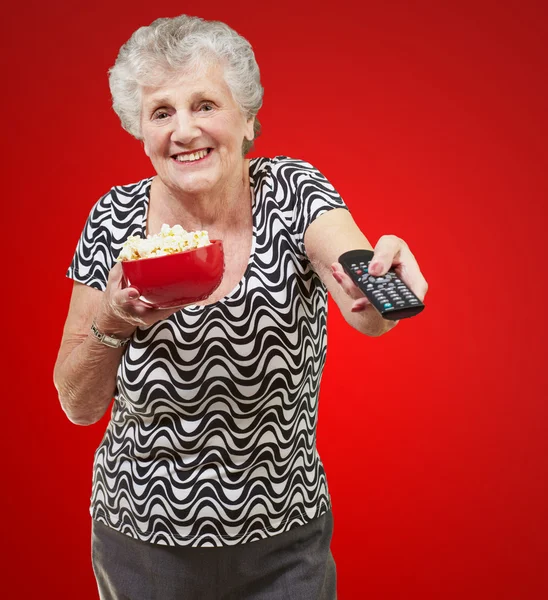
<point x="176" y="279"/>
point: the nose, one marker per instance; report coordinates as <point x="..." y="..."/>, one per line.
<point x="185" y="128"/>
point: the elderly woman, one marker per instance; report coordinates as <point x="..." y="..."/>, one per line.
<point x="207" y="483"/>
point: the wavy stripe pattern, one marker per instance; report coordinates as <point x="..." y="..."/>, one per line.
<point x="212" y="438"/>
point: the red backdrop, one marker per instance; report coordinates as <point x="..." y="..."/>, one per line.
<point x="430" y="119"/>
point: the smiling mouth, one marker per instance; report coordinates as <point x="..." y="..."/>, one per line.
<point x="192" y="157"/>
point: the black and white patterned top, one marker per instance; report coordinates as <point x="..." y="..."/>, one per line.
<point x="212" y="437"/>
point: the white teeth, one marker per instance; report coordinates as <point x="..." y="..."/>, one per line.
<point x="192" y="156"/>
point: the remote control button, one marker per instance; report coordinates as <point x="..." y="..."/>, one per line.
<point x="372" y="279"/>
<point x="413" y="301"/>
<point x="359" y="272"/>
<point x="387" y="305"/>
<point x="400" y="303"/>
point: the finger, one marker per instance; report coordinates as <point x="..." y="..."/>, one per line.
<point x="410" y="273"/>
<point x="349" y="287"/>
<point x="386" y="253"/>
<point x="124" y="297"/>
<point x="360" y="305"/>
<point x="121" y="294"/>
<point x="416" y="282"/>
<point x="117" y="278"/>
<point x="143" y="315"/>
<point x="124" y="304"/>
<point x="392" y="251"/>
<point x="116" y="274"/>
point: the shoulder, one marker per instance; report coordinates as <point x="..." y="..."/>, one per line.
<point x="290" y="173"/>
<point x="117" y="212"/>
<point x="281" y="164"/>
<point x="124" y="194"/>
<point x="128" y="194"/>
<point x="119" y="200"/>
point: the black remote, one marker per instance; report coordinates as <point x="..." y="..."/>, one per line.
<point x="388" y="294"/>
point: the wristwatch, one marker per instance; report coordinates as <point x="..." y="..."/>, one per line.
<point x="108" y="340"/>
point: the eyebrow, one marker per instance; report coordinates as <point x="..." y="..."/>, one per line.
<point x="160" y="100"/>
<point x="157" y="100"/>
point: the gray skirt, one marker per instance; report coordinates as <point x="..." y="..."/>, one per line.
<point x="296" y="565"/>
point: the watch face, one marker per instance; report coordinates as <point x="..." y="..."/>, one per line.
<point x="107" y="340"/>
<point x="110" y="341"/>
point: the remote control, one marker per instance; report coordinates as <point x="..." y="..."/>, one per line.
<point x="388" y="294"/>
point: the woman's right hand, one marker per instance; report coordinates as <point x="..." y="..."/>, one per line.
<point x="121" y="311"/>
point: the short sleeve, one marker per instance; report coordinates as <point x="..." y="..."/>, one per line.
<point x="93" y="258"/>
<point x="313" y="194"/>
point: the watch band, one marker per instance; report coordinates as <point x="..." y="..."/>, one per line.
<point x="108" y="340"/>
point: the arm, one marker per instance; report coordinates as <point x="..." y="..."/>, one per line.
<point x="85" y="370"/>
<point x="335" y="232"/>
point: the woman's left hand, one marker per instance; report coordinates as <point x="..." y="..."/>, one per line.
<point x="390" y="252"/>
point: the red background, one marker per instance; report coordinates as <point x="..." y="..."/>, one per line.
<point x="430" y="119"/>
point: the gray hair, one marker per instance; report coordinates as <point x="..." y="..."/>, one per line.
<point x="169" y="45"/>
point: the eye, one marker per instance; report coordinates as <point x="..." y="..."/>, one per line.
<point x="206" y="107"/>
<point x="160" y="114"/>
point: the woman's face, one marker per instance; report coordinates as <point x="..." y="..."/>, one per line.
<point x="193" y="132"/>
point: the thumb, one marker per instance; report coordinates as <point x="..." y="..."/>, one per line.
<point x="125" y="297"/>
<point x="130" y="294"/>
<point x="126" y="292"/>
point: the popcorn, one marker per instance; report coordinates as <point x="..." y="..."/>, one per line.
<point x="169" y="241"/>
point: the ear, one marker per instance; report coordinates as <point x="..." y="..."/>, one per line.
<point x="145" y="148"/>
<point x="249" y="133"/>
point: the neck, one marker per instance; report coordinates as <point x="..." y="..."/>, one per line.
<point x="208" y="211"/>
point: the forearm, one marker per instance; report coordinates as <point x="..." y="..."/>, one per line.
<point x="86" y="380"/>
<point x="369" y="322"/>
<point x="85" y="371"/>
